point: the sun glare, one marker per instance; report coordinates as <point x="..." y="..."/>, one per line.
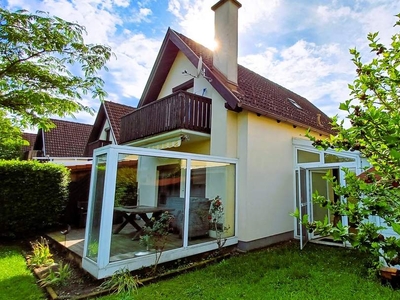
<point x="203" y="34"/>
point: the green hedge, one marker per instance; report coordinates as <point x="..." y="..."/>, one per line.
<point x="33" y="196"/>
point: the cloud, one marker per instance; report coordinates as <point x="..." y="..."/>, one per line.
<point x="136" y="54"/>
<point x="300" y="45"/>
<point x="316" y="72"/>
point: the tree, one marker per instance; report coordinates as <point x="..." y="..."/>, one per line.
<point x="374" y="114"/>
<point x="11" y="140"/>
<point x="40" y="57"/>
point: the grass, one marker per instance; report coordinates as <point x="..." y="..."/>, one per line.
<point x="16" y="280"/>
<point x="317" y="272"/>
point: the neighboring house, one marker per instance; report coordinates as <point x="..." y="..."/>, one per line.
<point x="64" y="144"/>
<point x="241" y="136"/>
<point x="107" y="125"/>
<point x="26" y="150"/>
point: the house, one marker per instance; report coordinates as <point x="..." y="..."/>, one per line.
<point x="225" y="133"/>
<point x="107" y="125"/>
<point x="26" y="150"/>
<point x="64" y="144"/>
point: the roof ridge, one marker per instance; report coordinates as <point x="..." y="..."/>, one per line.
<point x="78" y="123"/>
<point x="120" y="104"/>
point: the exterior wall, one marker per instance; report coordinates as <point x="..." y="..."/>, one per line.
<point x="266" y="180"/>
<point x="175" y="78"/>
<point x="198" y="148"/>
<point x="224" y="132"/>
<point x="266" y="163"/>
<point x="103" y="134"/>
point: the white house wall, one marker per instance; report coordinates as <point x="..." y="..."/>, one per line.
<point x="266" y="177"/>
<point x="175" y="77"/>
<point x="202" y="147"/>
<point x="223" y="128"/>
<point x="103" y="134"/>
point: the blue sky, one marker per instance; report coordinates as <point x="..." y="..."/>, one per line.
<point x="300" y="44"/>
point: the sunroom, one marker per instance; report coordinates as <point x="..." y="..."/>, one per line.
<point x="131" y="187"/>
<point x="311" y="167"/>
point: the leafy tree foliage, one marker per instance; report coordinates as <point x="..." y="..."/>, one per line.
<point x="40" y="57"/>
<point x="11" y="140"/>
<point x="374" y="113"/>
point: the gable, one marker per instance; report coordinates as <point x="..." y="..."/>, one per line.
<point x="254" y="92"/>
<point x="109" y="115"/>
<point x="175" y="78"/>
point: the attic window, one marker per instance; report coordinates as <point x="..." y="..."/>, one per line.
<point x="294" y="103"/>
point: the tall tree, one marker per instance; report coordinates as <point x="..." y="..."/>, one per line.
<point x="11" y="140"/>
<point x="374" y="114"/>
<point x="46" y="67"/>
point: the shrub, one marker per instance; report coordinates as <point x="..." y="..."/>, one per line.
<point x="33" y="196"/>
<point x="122" y="282"/>
<point x="59" y="277"/>
<point x="41" y="255"/>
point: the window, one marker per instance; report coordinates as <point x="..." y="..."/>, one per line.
<point x="332" y="158"/>
<point x="307" y="157"/>
<point x="107" y="130"/>
<point x="294" y="103"/>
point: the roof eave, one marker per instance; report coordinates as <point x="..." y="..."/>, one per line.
<point x="283" y="119"/>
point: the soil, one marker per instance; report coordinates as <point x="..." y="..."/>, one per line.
<point x="76" y="286"/>
<point x="81" y="285"/>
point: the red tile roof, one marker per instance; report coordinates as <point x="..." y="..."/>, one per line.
<point x="258" y="94"/>
<point x="115" y="112"/>
<point x="254" y="92"/>
<point x="67" y="139"/>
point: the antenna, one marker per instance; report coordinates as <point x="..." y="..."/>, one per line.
<point x="200" y="71"/>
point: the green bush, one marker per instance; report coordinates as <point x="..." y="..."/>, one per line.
<point x="33" y="196"/>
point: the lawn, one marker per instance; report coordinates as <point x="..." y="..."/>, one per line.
<point x="284" y="272"/>
<point x="317" y="272"/>
<point x="16" y="281"/>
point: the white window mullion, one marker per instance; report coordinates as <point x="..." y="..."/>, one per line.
<point x="187" y="203"/>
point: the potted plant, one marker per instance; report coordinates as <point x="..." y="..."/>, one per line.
<point x="146" y="241"/>
<point x="215" y="217"/>
<point x="156" y="235"/>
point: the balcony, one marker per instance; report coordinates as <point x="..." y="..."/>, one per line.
<point x="94" y="145"/>
<point x="180" y="110"/>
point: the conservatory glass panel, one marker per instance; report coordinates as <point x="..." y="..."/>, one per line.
<point x="332" y="158"/>
<point x="212" y="201"/>
<point x="146" y="188"/>
<point x="97" y="204"/>
<point x="307" y="157"/>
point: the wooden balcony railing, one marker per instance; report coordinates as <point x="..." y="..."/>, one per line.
<point x="94" y="145"/>
<point x="180" y="110"/>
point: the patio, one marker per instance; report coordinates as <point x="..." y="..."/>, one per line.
<point x="122" y="247"/>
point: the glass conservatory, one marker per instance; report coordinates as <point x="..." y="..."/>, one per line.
<point x="311" y="167"/>
<point x="132" y="187"/>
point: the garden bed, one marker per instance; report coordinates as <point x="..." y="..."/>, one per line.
<point x="81" y="285"/>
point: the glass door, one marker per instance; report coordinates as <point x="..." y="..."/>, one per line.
<point x="320" y="185"/>
<point x="303" y="204"/>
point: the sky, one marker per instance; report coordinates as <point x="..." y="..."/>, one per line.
<point x="302" y="45"/>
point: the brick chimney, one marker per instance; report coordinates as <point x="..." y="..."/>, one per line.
<point x="226" y="36"/>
